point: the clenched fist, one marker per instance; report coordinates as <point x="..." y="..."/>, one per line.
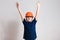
<point x="38" y="4"/>
<point x="17" y="4"/>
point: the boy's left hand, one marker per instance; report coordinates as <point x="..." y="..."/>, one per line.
<point x="38" y="4"/>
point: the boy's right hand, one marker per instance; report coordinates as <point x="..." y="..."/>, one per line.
<point x="17" y="4"/>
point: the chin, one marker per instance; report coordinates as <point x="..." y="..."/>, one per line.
<point x="29" y="20"/>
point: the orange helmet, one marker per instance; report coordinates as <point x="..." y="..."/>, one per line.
<point x="29" y="14"/>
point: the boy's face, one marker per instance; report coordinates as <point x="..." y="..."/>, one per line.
<point x="29" y="19"/>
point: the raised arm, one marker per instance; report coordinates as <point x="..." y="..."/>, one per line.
<point x="37" y="10"/>
<point x="19" y="10"/>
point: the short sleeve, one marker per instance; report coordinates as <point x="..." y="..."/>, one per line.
<point x="35" y="20"/>
<point x="23" y="21"/>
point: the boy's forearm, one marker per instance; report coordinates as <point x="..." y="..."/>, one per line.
<point x="37" y="10"/>
<point x="20" y="13"/>
<point x="17" y="5"/>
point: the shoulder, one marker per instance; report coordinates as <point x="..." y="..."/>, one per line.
<point x="34" y="20"/>
<point x="23" y="20"/>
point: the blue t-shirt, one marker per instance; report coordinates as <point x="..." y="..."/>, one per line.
<point x="29" y="29"/>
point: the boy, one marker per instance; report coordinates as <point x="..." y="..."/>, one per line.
<point x="29" y="23"/>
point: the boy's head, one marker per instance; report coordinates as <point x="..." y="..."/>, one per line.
<point x="29" y="16"/>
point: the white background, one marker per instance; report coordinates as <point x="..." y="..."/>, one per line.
<point x="48" y="25"/>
